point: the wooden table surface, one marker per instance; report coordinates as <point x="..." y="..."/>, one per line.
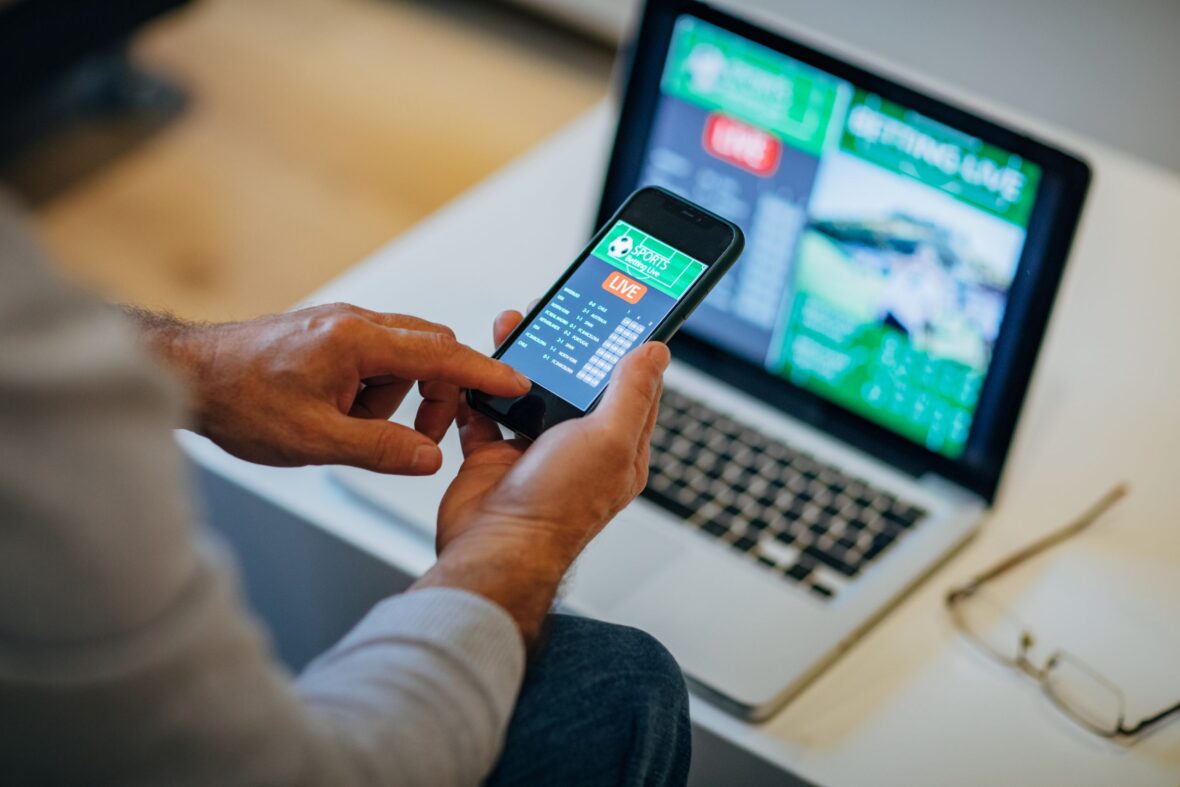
<point x="317" y="130"/>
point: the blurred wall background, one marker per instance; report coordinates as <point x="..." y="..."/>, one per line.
<point x="314" y="132"/>
<point x="1108" y="70"/>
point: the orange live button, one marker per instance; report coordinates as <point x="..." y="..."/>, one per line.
<point x="627" y="289"/>
<point x="744" y="145"/>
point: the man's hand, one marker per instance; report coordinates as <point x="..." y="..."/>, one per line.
<point x="318" y="385"/>
<point x="518" y="515"/>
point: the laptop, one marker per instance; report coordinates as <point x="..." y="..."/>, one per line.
<point x="839" y="410"/>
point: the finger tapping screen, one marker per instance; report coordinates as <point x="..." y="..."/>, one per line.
<point x="881" y="244"/>
<point x="610" y="304"/>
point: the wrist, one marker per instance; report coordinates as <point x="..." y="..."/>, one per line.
<point x="537" y="542"/>
<point x="520" y="576"/>
<point x="187" y="349"/>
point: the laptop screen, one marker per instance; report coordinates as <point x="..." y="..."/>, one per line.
<point x="881" y="245"/>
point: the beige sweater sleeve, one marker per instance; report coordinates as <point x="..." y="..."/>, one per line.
<point x="125" y="654"/>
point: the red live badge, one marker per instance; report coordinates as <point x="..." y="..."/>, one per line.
<point x="739" y="143"/>
<point x="627" y="289"/>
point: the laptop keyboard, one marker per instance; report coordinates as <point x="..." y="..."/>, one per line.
<point x="782" y="508"/>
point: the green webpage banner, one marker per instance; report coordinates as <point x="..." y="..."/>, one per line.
<point x="715" y="69"/>
<point x="967" y="168"/>
<point x="648" y="260"/>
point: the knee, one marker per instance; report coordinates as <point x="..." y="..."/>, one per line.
<point x="626" y="666"/>
<point x="642" y="699"/>
<point x="601" y="704"/>
<point x="648" y="698"/>
<point x="644" y="672"/>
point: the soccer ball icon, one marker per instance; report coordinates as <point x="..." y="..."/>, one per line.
<point x="621" y="246"/>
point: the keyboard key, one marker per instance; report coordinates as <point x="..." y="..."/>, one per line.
<point x="659" y="482"/>
<point x="756" y="487"/>
<point x="667" y="502"/>
<point x="903" y="515"/>
<point x="714" y="529"/>
<point x="915" y="513"/>
<point x="782" y="554"/>
<point x="825" y="541"/>
<point x="834" y="581"/>
<point x="829" y="559"/>
<point x="744" y="544"/>
<point x="820" y="591"/>
<point x="880" y="542"/>
<point x="799" y="571"/>
<point x="847" y="542"/>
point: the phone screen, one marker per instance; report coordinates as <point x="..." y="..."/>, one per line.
<point x="619" y="293"/>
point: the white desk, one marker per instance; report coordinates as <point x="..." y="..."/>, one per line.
<point x="911" y="703"/>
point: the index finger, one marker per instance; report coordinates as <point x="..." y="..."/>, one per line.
<point x="430" y="357"/>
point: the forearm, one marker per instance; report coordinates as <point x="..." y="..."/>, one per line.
<point x="425" y="684"/>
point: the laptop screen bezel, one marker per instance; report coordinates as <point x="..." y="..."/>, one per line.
<point x="1050" y="232"/>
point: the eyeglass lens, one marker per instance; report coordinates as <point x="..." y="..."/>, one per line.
<point x="1072" y="685"/>
<point x="1083" y="693"/>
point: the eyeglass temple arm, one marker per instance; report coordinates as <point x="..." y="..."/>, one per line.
<point x="1150" y="720"/>
<point x="1052" y="539"/>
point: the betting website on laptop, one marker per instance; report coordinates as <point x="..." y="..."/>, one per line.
<point x="881" y="244"/>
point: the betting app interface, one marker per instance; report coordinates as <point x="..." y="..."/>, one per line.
<point x="881" y="244"/>
<point x="610" y="304"/>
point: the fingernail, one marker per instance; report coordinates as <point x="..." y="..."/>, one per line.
<point x="523" y="381"/>
<point x="427" y="458"/>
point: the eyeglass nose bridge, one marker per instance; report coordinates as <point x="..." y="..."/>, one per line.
<point x="1022" y="661"/>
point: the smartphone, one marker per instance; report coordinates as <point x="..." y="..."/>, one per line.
<point x="641" y="276"/>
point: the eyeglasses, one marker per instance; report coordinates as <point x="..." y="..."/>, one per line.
<point x="1081" y="692"/>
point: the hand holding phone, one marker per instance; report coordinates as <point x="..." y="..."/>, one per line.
<point x="513" y="520"/>
<point x="641" y="276"/>
<point x="571" y="481"/>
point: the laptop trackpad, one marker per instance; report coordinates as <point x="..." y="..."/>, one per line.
<point x="625" y="556"/>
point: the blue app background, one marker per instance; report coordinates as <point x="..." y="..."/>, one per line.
<point x="574" y="343"/>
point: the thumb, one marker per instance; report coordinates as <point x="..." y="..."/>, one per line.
<point x="634" y="389"/>
<point x="383" y="447"/>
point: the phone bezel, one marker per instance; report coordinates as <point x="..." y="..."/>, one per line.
<point x="699" y="233"/>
